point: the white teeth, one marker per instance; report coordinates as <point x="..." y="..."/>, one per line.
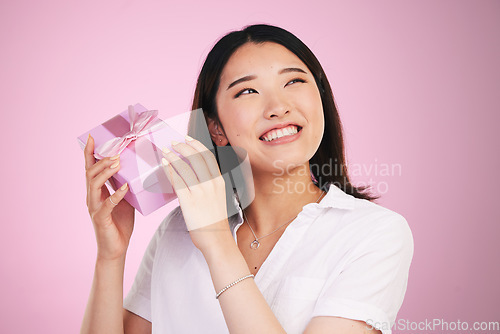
<point x="274" y="134"/>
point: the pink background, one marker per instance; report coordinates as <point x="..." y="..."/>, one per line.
<point x="415" y="82"/>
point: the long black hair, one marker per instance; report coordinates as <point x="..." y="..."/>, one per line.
<point x="331" y="149"/>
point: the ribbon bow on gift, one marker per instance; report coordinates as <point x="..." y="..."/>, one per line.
<point x="140" y="125"/>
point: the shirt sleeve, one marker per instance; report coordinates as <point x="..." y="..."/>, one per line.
<point x="138" y="300"/>
<point x="372" y="284"/>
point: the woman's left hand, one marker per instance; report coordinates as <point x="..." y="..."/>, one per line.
<point x="201" y="191"/>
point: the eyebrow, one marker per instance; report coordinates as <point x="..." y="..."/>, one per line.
<point x="252" y="77"/>
<point x="292" y="69"/>
<point x="240" y="80"/>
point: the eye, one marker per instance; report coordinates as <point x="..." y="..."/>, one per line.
<point x="296" y="80"/>
<point x="245" y="90"/>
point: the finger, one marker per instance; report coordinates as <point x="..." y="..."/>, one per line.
<point x="93" y="205"/>
<point x="88" y="152"/>
<point x="94" y="170"/>
<point x="111" y="202"/>
<point x="196" y="160"/>
<point x="175" y="180"/>
<point x="99" y="166"/>
<point x="209" y="157"/>
<point x="96" y="185"/>
<point x="181" y="167"/>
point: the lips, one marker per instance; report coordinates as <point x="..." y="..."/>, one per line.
<point x="279" y="126"/>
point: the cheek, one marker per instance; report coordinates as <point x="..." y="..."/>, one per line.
<point x="236" y="127"/>
<point x="315" y="108"/>
<point x="311" y="101"/>
<point x="237" y="119"/>
<point x="320" y="120"/>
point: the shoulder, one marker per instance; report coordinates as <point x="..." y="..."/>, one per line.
<point x="367" y="223"/>
<point x="367" y="239"/>
<point x="374" y="216"/>
<point x="382" y="228"/>
<point x="359" y="213"/>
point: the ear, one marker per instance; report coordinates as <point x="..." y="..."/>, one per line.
<point x="216" y="133"/>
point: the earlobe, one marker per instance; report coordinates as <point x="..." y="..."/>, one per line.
<point x="216" y="134"/>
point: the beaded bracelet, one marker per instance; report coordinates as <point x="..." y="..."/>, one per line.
<point x="230" y="285"/>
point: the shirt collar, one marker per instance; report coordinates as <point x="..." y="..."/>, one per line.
<point x="337" y="198"/>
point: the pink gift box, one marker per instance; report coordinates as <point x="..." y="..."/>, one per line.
<point x="140" y="156"/>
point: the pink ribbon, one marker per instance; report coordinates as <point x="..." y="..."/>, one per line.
<point x="140" y="125"/>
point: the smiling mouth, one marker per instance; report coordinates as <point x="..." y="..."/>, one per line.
<point x="280" y="133"/>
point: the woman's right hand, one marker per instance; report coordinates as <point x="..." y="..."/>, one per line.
<point x="113" y="224"/>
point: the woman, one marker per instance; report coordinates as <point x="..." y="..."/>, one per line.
<point x="310" y="254"/>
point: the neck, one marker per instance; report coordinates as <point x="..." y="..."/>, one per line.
<point x="279" y="199"/>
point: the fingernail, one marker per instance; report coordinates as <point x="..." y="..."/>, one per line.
<point x="164" y="161"/>
<point x="115" y="164"/>
<point x="124" y="186"/>
<point x="87" y="140"/>
<point x="188" y="138"/>
<point x="165" y="150"/>
<point x="115" y="157"/>
<point x="173" y="143"/>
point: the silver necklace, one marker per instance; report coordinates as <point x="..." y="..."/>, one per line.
<point x="255" y="244"/>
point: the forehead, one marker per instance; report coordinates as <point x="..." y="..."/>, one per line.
<point x="251" y="58"/>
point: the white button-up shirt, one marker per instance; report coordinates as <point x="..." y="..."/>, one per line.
<point x="343" y="257"/>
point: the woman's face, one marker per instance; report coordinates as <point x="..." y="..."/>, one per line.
<point x="264" y="87"/>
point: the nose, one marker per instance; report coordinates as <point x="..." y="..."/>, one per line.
<point x="276" y="106"/>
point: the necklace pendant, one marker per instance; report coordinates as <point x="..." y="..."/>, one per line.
<point x="255" y="244"/>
